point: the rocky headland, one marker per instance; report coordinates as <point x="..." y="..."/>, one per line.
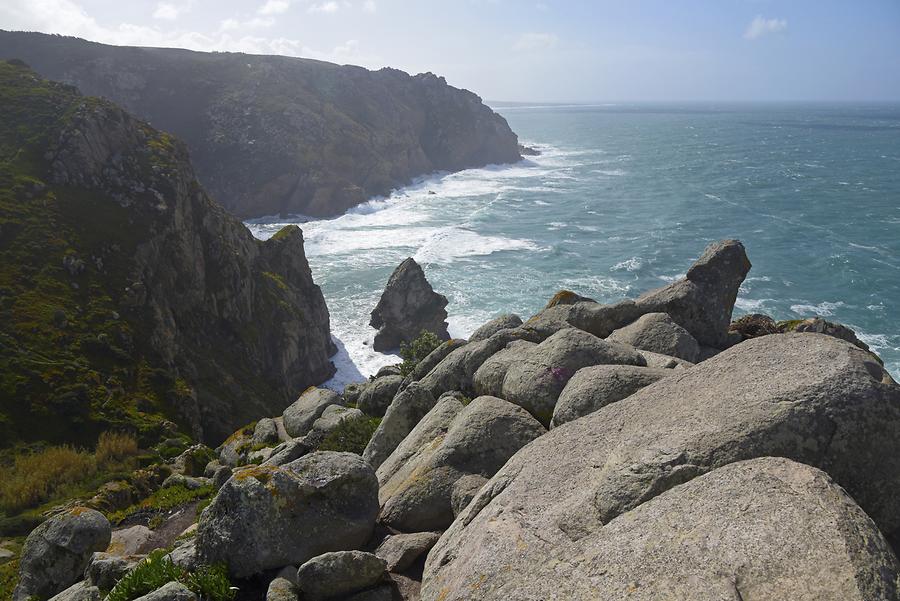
<point x="275" y="135"/>
<point x="646" y="449"/>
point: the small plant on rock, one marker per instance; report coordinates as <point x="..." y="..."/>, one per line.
<point x="417" y="350"/>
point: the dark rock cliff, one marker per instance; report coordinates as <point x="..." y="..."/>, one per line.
<point x="278" y="135"/>
<point x="126" y="292"/>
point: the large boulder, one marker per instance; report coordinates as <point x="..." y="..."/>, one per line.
<point x="173" y="591"/>
<point x="488" y="379"/>
<point x="538" y="375"/>
<point x="404" y="412"/>
<point x="341" y="573"/>
<point x="599" y="385"/>
<point x="503" y="322"/>
<point x="479" y="440"/>
<point x="80" y="591"/>
<point x="703" y="300"/>
<point x="57" y="552"/>
<point x="807" y="397"/>
<point x="767" y="528"/>
<point x="818" y="325"/>
<point x="434" y="424"/>
<point x="267" y="517"/>
<point x="333" y="417"/>
<point x="400" y="551"/>
<point x="602" y="320"/>
<point x="658" y="333"/>
<point x="433" y="358"/>
<point x="300" y="416"/>
<point x="408" y="306"/>
<point x="265" y="432"/>
<point x="377" y="396"/>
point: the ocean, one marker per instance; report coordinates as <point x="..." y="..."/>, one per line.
<point x="621" y="200"/>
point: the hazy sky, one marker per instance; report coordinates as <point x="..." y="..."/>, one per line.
<point x="645" y="50"/>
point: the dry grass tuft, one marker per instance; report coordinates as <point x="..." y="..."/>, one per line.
<point x="35" y="478"/>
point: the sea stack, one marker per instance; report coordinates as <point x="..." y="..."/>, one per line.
<point x="408" y="306"/>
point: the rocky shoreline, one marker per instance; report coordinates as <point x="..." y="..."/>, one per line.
<point x="651" y="449"/>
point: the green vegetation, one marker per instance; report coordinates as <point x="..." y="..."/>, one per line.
<point x="209" y="583"/>
<point x="413" y="352"/>
<point x="165" y="499"/>
<point x="74" y="361"/>
<point x="9" y="576"/>
<point x="352" y="435"/>
<point x="789" y="325"/>
<point x="60" y="472"/>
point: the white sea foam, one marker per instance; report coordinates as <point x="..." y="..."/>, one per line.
<point x="751" y="305"/>
<point x="823" y="309"/>
<point x="451" y="244"/>
<point x="632" y="264"/>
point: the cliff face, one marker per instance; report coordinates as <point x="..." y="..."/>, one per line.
<point x="126" y="293"/>
<point x="272" y="134"/>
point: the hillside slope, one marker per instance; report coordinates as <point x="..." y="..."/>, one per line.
<point x="127" y="296"/>
<point x="278" y="135"/>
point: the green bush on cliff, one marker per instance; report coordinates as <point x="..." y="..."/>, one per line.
<point x="413" y="352"/>
<point x="351" y="436"/>
<point x="209" y="583"/>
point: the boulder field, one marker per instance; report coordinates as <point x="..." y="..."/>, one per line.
<point x="649" y="449"/>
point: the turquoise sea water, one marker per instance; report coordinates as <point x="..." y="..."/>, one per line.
<point x="622" y="199"/>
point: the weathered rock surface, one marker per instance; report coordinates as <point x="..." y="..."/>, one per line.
<point x="537" y="375"/>
<point x="265" y="432"/>
<point x="664" y="361"/>
<point x="56" y="553"/>
<point x="503" y="322"/>
<point x="81" y="591"/>
<point x="377" y="396"/>
<point x="807" y="397"/>
<point x="133" y="540"/>
<point x="270" y="516"/>
<point x="339" y="573"/>
<point x="408" y="306"/>
<point x="400" y="551"/>
<point x="766" y="528"/>
<point x="602" y="320"/>
<point x="594" y="387"/>
<point x="434" y="424"/>
<point x="703" y="300"/>
<point x="658" y="333"/>
<point x="407" y="408"/>
<point x="173" y="591"/>
<point x="105" y="570"/>
<point x="488" y="380"/>
<point x="479" y="440"/>
<point x="818" y="325"/>
<point x="282" y="589"/>
<point x="434" y="357"/>
<point x="334" y="416"/>
<point x="300" y="416"/>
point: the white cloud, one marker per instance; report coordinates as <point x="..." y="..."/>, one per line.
<point x="369" y="6"/>
<point x="760" y="26"/>
<point x="68" y="18"/>
<point x="166" y="11"/>
<point x="528" y="42"/>
<point x="323" y="7"/>
<point x="274" y="7"/>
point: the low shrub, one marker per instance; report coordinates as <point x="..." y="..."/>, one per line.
<point x="115" y="447"/>
<point x="165" y="499"/>
<point x="209" y="583"/>
<point x="351" y="436"/>
<point x="413" y="352"/>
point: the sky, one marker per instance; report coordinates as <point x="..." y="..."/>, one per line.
<point x="534" y="51"/>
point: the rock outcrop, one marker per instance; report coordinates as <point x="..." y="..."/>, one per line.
<point x="408" y="306"/>
<point x="280" y="135"/>
<point x="807" y="397"/>
<point x="300" y="416"/>
<point x="341" y="573"/>
<point x="766" y="528"/>
<point x="479" y="440"/>
<point x="592" y="388"/>
<point x="702" y="301"/>
<point x="191" y="316"/>
<point x="658" y="333"/>
<point x="268" y="517"/>
<point x="57" y="552"/>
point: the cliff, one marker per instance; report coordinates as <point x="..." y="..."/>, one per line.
<point x="278" y="135"/>
<point x="127" y="296"/>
